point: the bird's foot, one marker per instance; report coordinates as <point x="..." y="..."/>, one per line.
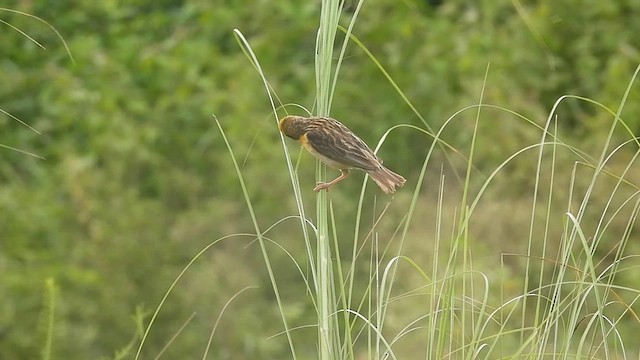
<point x="322" y="186"/>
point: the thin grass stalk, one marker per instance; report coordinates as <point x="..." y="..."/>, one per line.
<point x="565" y="254"/>
<point x="246" y="48"/>
<point x="58" y="35"/>
<point x="589" y="267"/>
<point x="259" y="235"/>
<point x="466" y="260"/>
<point x="532" y="220"/>
<point x="599" y="168"/>
<point x="347" y="297"/>
<point x="432" y="325"/>
<point x="347" y="344"/>
<point x="538" y="311"/>
<point x="329" y="17"/>
<point x="50" y="306"/>
<point x="248" y="51"/>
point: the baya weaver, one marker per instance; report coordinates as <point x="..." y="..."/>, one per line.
<point x="335" y="145"/>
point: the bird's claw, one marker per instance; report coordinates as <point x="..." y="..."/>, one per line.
<point x="322" y="186"/>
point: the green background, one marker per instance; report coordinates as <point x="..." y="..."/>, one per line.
<point x="136" y="178"/>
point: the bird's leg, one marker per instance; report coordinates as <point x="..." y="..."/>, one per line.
<point x="322" y="186"/>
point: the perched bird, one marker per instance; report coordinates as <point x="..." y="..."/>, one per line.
<point x="335" y="145"/>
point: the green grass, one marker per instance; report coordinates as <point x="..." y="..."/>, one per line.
<point x="418" y="279"/>
<point x="564" y="303"/>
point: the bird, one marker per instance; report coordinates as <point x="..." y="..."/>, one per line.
<point x="338" y="147"/>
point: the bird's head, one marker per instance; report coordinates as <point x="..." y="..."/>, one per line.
<point x="293" y="126"/>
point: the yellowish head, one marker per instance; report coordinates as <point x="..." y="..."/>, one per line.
<point x="293" y="126"/>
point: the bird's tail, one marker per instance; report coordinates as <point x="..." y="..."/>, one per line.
<point x="386" y="179"/>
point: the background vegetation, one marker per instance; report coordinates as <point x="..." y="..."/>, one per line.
<point x="137" y="178"/>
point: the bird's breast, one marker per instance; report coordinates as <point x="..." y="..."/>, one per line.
<point x="328" y="161"/>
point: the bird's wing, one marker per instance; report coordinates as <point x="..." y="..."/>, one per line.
<point x="342" y="147"/>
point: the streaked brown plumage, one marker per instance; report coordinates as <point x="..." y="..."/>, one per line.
<point x="338" y="147"/>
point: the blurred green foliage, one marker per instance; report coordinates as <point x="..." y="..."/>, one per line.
<point x="137" y="179"/>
